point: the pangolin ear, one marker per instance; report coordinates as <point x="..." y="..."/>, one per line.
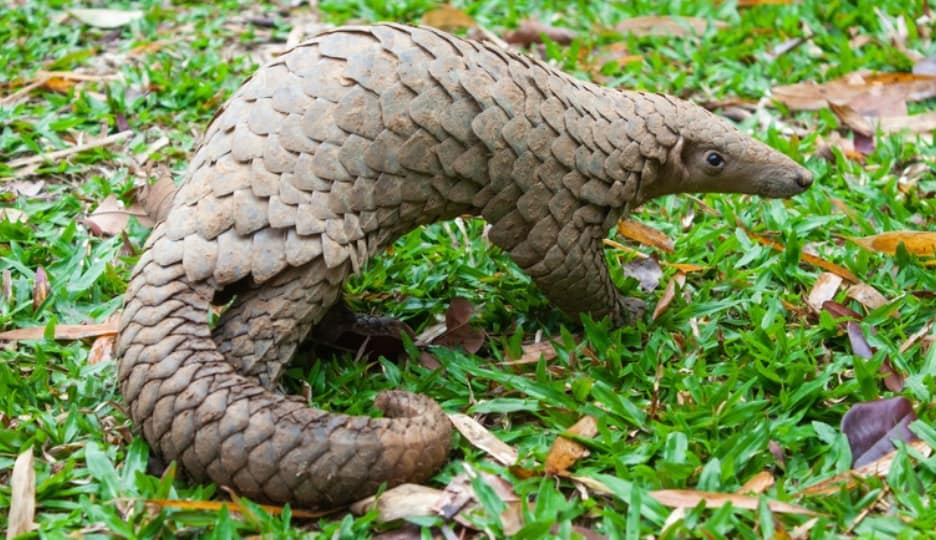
<point x="680" y="163"/>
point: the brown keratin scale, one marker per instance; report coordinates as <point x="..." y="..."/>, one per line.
<point x="330" y="153"/>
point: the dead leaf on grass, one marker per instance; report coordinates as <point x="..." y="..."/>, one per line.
<point x="111" y="217"/>
<point x="41" y="287"/>
<point x="867" y="296"/>
<point x="872" y="426"/>
<point x="823" y="290"/>
<point x="216" y="506"/>
<point x="102" y="350"/>
<point x="106" y="18"/>
<point x="13" y="215"/>
<point x="689" y="498"/>
<point x="848" y="479"/>
<point x="63" y="331"/>
<point x="532" y="353"/>
<point x="6" y="287"/>
<point x="22" y="514"/>
<point x="666" y="26"/>
<point x="864" y="92"/>
<point x="646" y="271"/>
<point x="807" y="258"/>
<point x="483" y="439"/>
<point x="919" y="243"/>
<point x="403" y="501"/>
<point x="448" y="18"/>
<point x="644" y="234"/>
<point x="757" y="484"/>
<point x="893" y="380"/>
<point x="532" y="31"/>
<point x="669" y="293"/>
<point x="458" y="333"/>
<point x="565" y="452"/>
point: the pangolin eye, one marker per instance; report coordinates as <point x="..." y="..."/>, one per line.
<point x="715" y="160"/>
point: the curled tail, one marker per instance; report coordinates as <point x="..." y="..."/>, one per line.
<point x="193" y="406"/>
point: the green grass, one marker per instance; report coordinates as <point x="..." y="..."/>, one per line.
<point x="729" y="369"/>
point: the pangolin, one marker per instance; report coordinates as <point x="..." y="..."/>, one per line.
<point x="328" y="154"/>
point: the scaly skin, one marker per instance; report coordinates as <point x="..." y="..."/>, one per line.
<point x="329" y="154"/>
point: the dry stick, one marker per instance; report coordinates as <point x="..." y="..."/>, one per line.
<point x="48" y="156"/>
<point x="23" y="91"/>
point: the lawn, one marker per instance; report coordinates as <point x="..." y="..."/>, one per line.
<point x="767" y="320"/>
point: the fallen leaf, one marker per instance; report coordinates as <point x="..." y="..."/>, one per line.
<point x="458" y="333"/>
<point x="839" y="311"/>
<point x="669" y="293"/>
<point x="216" y="506"/>
<point x="924" y="123"/>
<point x="110" y="218"/>
<point x="59" y="84"/>
<point x="919" y="243"/>
<point x="916" y="337"/>
<point x="106" y="18"/>
<point x="757" y="484"/>
<point x="688" y="498"/>
<point x="864" y="92"/>
<point x="532" y="353"/>
<point x="565" y="452"/>
<point x="777" y="452"/>
<point x="823" y="290"/>
<point x="872" y="426"/>
<point x="646" y="271"/>
<point x="926" y="66"/>
<point x="62" y="331"/>
<point x="483" y="439"/>
<point x="648" y="236"/>
<point x="13" y="215"/>
<point x="448" y="18"/>
<point x="41" y="288"/>
<point x="403" y="501"/>
<point x="808" y="258"/>
<point x="102" y="350"/>
<point x="7" y="285"/>
<point x="848" y="479"/>
<point x="850" y="117"/>
<point x="22" y="514"/>
<point x="866" y="295"/>
<point x="532" y="31"/>
<point x="666" y="26"/>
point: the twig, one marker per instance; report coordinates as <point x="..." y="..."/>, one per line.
<point x="49" y="156"/>
<point x="23" y="91"/>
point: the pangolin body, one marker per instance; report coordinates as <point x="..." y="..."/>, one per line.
<point x="330" y="153"/>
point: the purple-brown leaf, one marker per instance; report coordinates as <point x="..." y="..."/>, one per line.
<point x="872" y="426"/>
<point x="646" y="271"/>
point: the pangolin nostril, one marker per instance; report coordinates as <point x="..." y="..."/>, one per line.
<point x="804" y="179"/>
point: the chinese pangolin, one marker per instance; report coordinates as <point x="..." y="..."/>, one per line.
<point x="328" y="154"/>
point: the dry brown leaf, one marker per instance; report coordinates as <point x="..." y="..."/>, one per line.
<point x="688" y="498"/>
<point x="924" y="123"/>
<point x="102" y="350"/>
<point x="405" y="500"/>
<point x="533" y="352"/>
<point x="646" y="271"/>
<point x="850" y="117"/>
<point x="448" y="18"/>
<point x="871" y="428"/>
<point x="867" y="295"/>
<point x="916" y="336"/>
<point x="13" y="215"/>
<point x="565" y="452"/>
<point x="666" y="26"/>
<point x="823" y="290"/>
<point x="848" y="479"/>
<point x="866" y="93"/>
<point x="111" y="217"/>
<point x="6" y="287"/>
<point x="22" y="495"/>
<point x="106" y="18"/>
<point x="669" y="293"/>
<point x="41" y="287"/>
<point x="532" y="31"/>
<point x="458" y="333"/>
<point x="483" y="439"/>
<point x="644" y="234"/>
<point x="919" y="243"/>
<point x="215" y="506"/>
<point x="59" y="84"/>
<point x="757" y="484"/>
<point x="808" y="258"/>
<point x="63" y="331"/>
